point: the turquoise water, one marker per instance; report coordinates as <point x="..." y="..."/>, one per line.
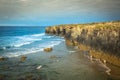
<point x="16" y="41"/>
<point x="63" y="63"/>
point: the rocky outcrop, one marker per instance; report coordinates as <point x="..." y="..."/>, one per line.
<point x="103" y="37"/>
<point x="2" y="58"/>
<point x="23" y="58"/>
<point x="48" y="49"/>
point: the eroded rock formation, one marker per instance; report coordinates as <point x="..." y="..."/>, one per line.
<point x="103" y="37"/>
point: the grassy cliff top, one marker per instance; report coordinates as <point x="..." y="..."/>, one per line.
<point x="98" y="25"/>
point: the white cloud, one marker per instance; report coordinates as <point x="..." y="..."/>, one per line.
<point x="23" y="0"/>
<point x="48" y="9"/>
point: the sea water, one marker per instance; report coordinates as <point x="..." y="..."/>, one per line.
<point x="63" y="63"/>
<point x="16" y="41"/>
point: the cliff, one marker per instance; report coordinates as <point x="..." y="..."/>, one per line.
<point x="101" y="37"/>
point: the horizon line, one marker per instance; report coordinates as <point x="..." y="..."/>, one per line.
<point x="22" y="25"/>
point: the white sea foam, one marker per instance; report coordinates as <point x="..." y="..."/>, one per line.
<point x="27" y="39"/>
<point x="2" y="48"/>
<point x="38" y="35"/>
<point x="48" y="36"/>
<point x="72" y="51"/>
<point x="19" y="53"/>
<point x="33" y="49"/>
<point x="20" y="41"/>
<point x="21" y="44"/>
<point x="53" y="43"/>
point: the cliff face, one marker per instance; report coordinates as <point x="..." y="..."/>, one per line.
<point x="103" y="37"/>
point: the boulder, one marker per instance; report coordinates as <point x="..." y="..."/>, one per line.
<point x="48" y="49"/>
<point x="23" y="58"/>
<point x="2" y="58"/>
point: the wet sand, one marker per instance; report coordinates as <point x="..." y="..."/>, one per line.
<point x="63" y="63"/>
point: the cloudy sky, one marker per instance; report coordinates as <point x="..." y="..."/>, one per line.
<point x="53" y="12"/>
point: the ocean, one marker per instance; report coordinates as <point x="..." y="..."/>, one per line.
<point x="17" y="41"/>
<point x="64" y="62"/>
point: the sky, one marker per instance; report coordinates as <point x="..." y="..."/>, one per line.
<point x="55" y="12"/>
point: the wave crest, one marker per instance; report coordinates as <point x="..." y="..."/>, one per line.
<point x="27" y="39"/>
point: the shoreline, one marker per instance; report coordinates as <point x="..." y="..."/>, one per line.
<point x="111" y="69"/>
<point x="60" y="64"/>
<point x="104" y="57"/>
<point x="100" y="40"/>
<point x="103" y="38"/>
